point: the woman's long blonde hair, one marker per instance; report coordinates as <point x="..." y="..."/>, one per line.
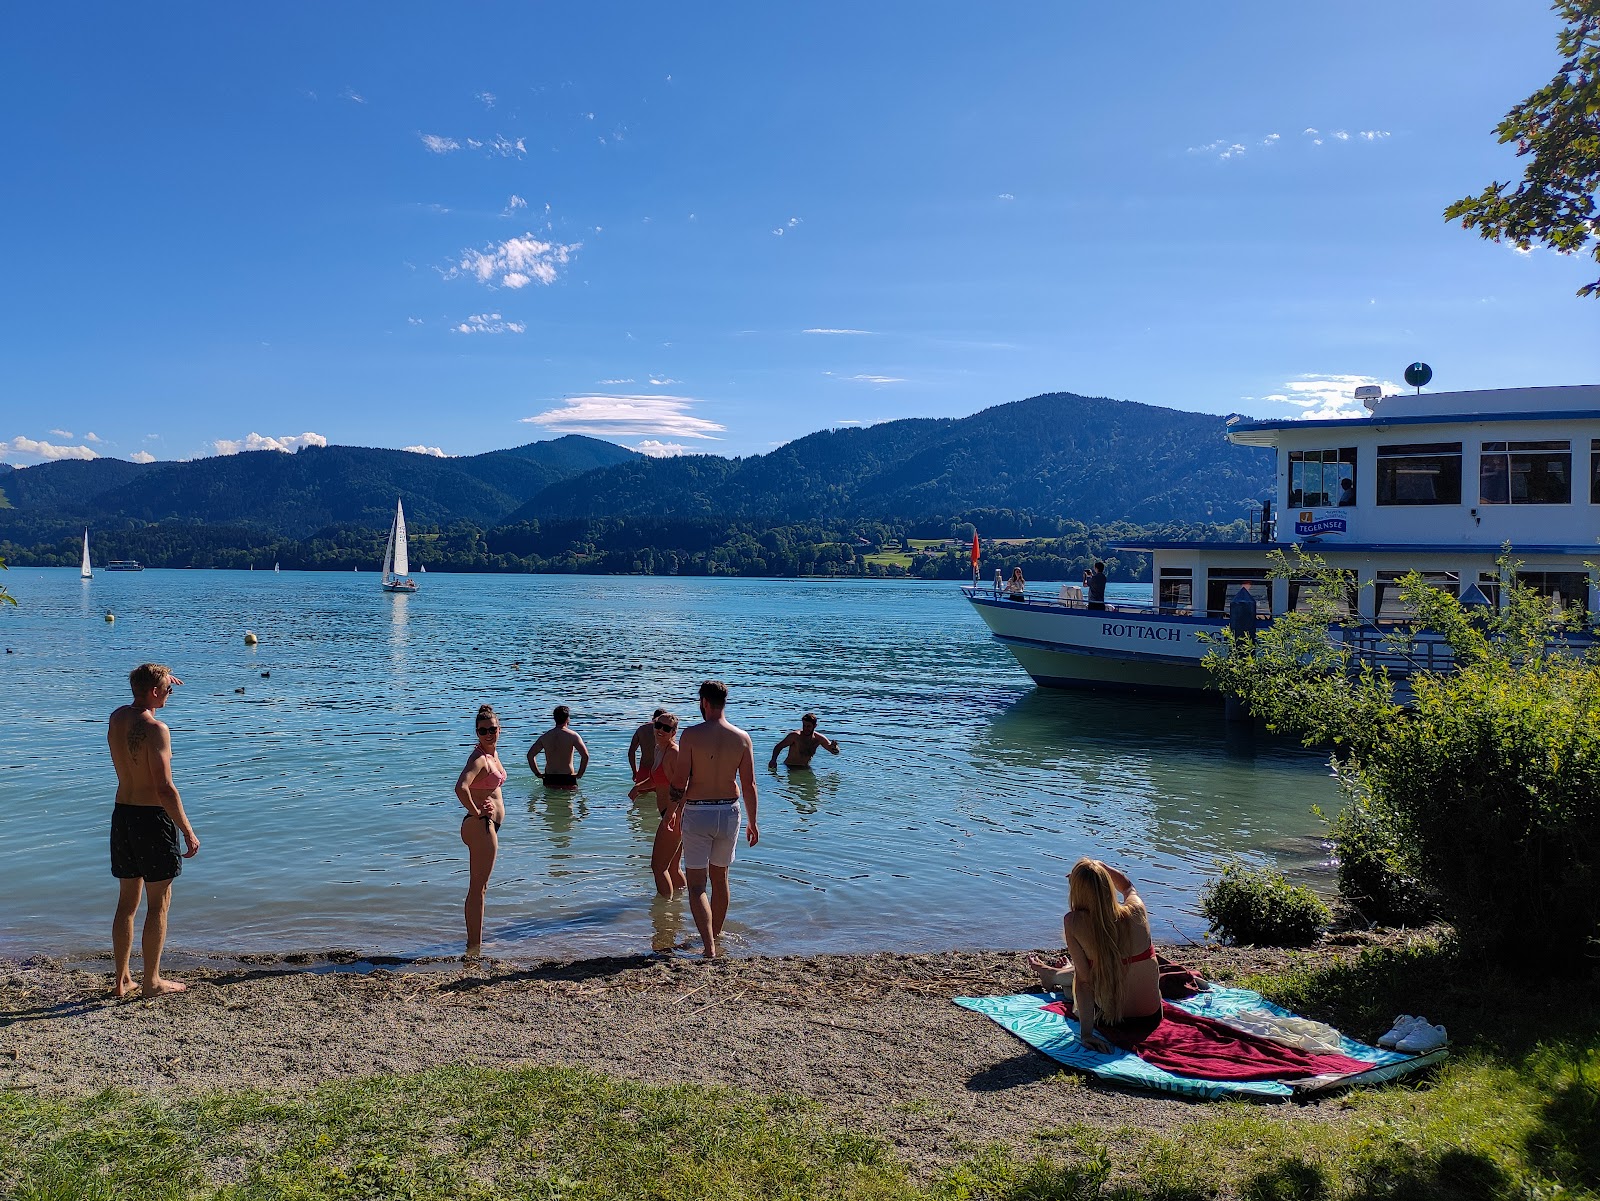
<point x="1089" y="891"/>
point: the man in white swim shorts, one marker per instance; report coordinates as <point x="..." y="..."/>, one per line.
<point x="715" y="767"/>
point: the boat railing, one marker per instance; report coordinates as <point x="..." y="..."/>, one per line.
<point x="1071" y="596"/>
<point x="1374" y="646"/>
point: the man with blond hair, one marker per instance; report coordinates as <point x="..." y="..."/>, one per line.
<point x="145" y="824"/>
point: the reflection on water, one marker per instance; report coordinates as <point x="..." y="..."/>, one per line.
<point x="323" y="788"/>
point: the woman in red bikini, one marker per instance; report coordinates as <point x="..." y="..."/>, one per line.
<point x="1111" y="969"/>
<point x="478" y="789"/>
<point x="666" y="852"/>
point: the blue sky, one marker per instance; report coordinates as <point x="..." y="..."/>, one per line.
<point x="716" y="228"/>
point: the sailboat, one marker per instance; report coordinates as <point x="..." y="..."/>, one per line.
<point x="274" y="569"/>
<point x="396" y="556"/>
<point x="87" y="571"/>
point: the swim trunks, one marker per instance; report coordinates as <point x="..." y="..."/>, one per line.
<point x="554" y="779"/>
<point x="144" y="844"/>
<point x="710" y="831"/>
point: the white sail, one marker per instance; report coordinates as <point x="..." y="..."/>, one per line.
<point x="402" y="559"/>
<point x="88" y="571"/>
<point x="388" y="556"/>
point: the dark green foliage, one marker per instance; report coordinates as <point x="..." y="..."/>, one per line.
<point x="1377" y="870"/>
<point x="1258" y="907"/>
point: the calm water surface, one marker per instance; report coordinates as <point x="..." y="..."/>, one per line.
<point x="322" y="792"/>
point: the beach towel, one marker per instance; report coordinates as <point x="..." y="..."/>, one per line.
<point x="1040" y="1021"/>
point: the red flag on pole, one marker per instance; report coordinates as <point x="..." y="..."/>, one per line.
<point x="974" y="552"/>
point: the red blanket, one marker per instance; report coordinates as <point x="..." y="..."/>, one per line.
<point x="1205" y="1049"/>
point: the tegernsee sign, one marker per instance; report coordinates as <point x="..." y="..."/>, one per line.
<point x="1320" y="523"/>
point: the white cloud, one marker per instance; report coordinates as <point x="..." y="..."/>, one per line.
<point x="142" y="456"/>
<point x="44" y="451"/>
<point x="489" y="323"/>
<point x="426" y="450"/>
<point x="1327" y="397"/>
<point x="439" y="145"/>
<point x="62" y="433"/>
<point x="254" y="441"/>
<point x="660" y="450"/>
<point x="787" y="226"/>
<point x="1308" y="130"/>
<point x="1341" y="135"/>
<point x="506" y="148"/>
<point x="486" y="99"/>
<point x="605" y="382"/>
<point x="513" y="204"/>
<point x="662" y="382"/>
<point x="414" y="321"/>
<point x="1373" y="135"/>
<point x="874" y="379"/>
<point x="1272" y="139"/>
<point x="352" y="94"/>
<point x="1005" y="196"/>
<point x="91" y="436"/>
<point x="837" y="331"/>
<point x="517" y="261"/>
<point x="1222" y="148"/>
<point x="627" y="416"/>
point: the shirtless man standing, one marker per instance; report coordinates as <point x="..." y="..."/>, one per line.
<point x="643" y="746"/>
<point x="715" y="766"/>
<point x="558" y="745"/>
<point x="145" y="824"/>
<point x="802" y="744"/>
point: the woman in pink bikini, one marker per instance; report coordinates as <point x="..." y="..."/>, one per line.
<point x="666" y="852"/>
<point x="478" y="789"/>
<point x="1112" y="969"/>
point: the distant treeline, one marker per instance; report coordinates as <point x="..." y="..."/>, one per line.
<point x="1056" y="548"/>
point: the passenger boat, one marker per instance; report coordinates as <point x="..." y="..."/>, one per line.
<point x="1437" y="483"/>
<point x="124" y="565"/>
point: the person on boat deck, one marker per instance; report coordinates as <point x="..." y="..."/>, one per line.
<point x="478" y="790"/>
<point x="1347" y="492"/>
<point x="1094" y="583"/>
<point x="558" y="744"/>
<point x="1111" y="968"/>
<point x="1016" y="585"/>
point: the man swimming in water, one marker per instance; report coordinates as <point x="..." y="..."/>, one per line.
<point x="145" y="824"/>
<point x="558" y="744"/>
<point x="715" y="768"/>
<point x="803" y="744"/>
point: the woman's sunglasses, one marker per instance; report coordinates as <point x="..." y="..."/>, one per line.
<point x="665" y="729"/>
<point x="485" y="731"/>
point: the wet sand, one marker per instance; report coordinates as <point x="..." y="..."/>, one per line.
<point x="875" y="1038"/>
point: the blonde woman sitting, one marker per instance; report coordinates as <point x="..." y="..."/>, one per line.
<point x="1111" y="969"/>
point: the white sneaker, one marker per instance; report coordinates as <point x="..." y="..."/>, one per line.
<point x="1422" y="1039"/>
<point x="1403" y="1026"/>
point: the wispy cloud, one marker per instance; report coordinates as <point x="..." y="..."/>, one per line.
<point x="787" y="226"/>
<point x="1222" y="148"/>
<point x="872" y="379"/>
<point x="660" y="450"/>
<point x="486" y="99"/>
<point x="1326" y="397"/>
<point x="62" y="433"/>
<point x="517" y="262"/>
<point x="254" y="441"/>
<point x="488" y="323"/>
<point x="91" y="436"/>
<point x="513" y="204"/>
<point x="612" y="382"/>
<point x="437" y="144"/>
<point x="353" y="95"/>
<point x="861" y="332"/>
<point x="506" y="148"/>
<point x="142" y="456"/>
<point x="662" y="381"/>
<point x="44" y="451"/>
<point x="1005" y="196"/>
<point x="426" y="450"/>
<point x="414" y="321"/>
<point x="628" y="416"/>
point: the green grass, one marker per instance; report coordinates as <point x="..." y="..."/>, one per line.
<point x="1514" y="1113"/>
<point x="889" y="558"/>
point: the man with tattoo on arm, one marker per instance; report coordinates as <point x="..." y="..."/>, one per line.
<point x="145" y="823"/>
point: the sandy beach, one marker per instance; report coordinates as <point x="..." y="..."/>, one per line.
<point x="875" y="1038"/>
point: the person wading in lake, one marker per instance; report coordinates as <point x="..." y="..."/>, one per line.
<point x="654" y="776"/>
<point x="478" y="789"/>
<point x="145" y="823"/>
<point x="643" y="745"/>
<point x="802" y="744"/>
<point x="715" y="766"/>
<point x="559" y="744"/>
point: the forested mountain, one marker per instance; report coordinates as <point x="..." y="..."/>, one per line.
<point x="1088" y="458"/>
<point x="297" y="494"/>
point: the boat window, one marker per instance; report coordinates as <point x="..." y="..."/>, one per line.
<point x="1525" y="473"/>
<point x="1489" y="585"/>
<point x="1302" y="592"/>
<point x="1223" y="582"/>
<point x="1420" y="473"/>
<point x="1320" y="478"/>
<point x="1389" y="605"/>
<point x="1569" y="589"/>
<point x="1176" y="592"/>
<point x="1594" y="471"/>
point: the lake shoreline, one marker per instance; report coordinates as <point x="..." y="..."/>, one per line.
<point x="872" y="1037"/>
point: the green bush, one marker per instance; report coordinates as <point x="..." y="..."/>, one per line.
<point x="1377" y="871"/>
<point x="1256" y="905"/>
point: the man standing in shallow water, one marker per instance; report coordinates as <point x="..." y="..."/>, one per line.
<point x="145" y="824"/>
<point x="559" y="743"/>
<point x="715" y="766"/>
<point x="803" y="744"/>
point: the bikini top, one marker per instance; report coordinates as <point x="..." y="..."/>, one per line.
<point x="490" y="778"/>
<point x="656" y="774"/>
<point x="1148" y="953"/>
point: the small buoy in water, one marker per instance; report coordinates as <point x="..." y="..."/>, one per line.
<point x="266" y="675"/>
<point x="110" y="616"/>
<point x="250" y="639"/>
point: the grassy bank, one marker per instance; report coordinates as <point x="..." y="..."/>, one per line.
<point x="1515" y="1113"/>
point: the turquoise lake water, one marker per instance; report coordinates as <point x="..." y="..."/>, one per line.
<point x="322" y="793"/>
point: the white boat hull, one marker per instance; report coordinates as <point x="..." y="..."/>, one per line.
<point x="1122" y="648"/>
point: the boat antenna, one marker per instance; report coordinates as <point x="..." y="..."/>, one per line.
<point x="1417" y="375"/>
